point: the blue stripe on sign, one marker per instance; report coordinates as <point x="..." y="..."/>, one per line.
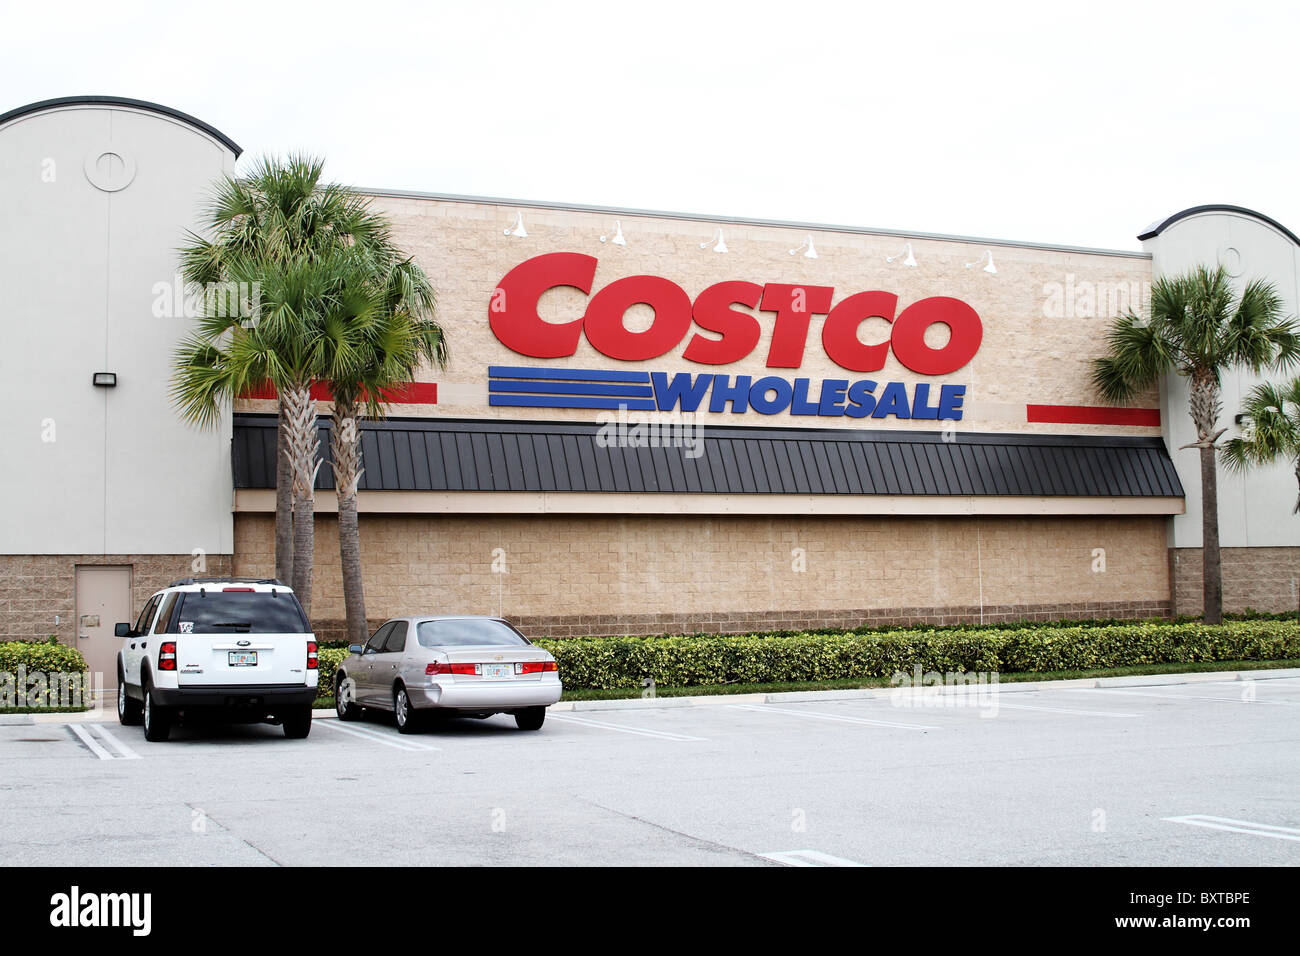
<point x="573" y="388"/>
<point x="544" y="401"/>
<point x="566" y="374"/>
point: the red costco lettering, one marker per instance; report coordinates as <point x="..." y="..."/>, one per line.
<point x="515" y="321"/>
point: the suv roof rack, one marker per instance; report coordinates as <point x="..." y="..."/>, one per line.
<point x="182" y="582"/>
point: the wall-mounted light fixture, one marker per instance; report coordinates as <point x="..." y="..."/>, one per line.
<point x="519" y="229"/>
<point x="617" y="239"/>
<point x="719" y="246"/>
<point x="104" y="380"/>
<point x="991" y="269"/>
<point x="806" y="247"/>
<point x="909" y="260"/>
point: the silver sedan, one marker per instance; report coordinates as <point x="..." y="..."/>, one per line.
<point x="461" y="666"/>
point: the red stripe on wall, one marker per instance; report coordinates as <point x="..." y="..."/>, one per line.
<point x="1093" y="415"/>
<point x="415" y="393"/>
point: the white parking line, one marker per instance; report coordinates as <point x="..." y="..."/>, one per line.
<point x="1238" y="826"/>
<point x="90" y="742"/>
<point x="1147" y="693"/>
<point x="637" y="731"/>
<point x="398" y="743"/>
<point x="1063" y="710"/>
<point x="841" y="718"/>
<point x="126" y="752"/>
<point x="808" y="858"/>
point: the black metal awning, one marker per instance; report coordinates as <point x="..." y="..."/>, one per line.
<point x="443" y="454"/>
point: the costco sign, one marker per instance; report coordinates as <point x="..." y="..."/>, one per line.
<point x="717" y="331"/>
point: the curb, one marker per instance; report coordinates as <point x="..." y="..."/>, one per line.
<point x="885" y="693"/>
<point x="776" y="697"/>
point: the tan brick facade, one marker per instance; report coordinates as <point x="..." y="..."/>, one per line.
<point x="1029" y="353"/>
<point x="36" y="588"/>
<point x="572" y="575"/>
<point x="1260" y="579"/>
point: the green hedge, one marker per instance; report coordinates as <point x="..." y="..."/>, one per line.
<point x="1056" y="624"/>
<point x="327" y="662"/>
<point x="622" y="662"/>
<point x="46" y="668"/>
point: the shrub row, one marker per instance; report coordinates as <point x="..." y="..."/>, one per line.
<point x="623" y="662"/>
<point x="50" y="674"/>
<point x="328" y="660"/>
<point x="1247" y="615"/>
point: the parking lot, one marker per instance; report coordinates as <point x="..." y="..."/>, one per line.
<point x="1140" y="771"/>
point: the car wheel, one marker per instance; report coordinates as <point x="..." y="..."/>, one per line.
<point x="403" y="712"/>
<point x="129" y="710"/>
<point x="157" y="720"/>
<point x="530" y="718"/>
<point x="344" y="706"/>
<point x="297" y="723"/>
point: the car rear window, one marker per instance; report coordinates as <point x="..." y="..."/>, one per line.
<point x="468" y="633"/>
<point x="238" y="612"/>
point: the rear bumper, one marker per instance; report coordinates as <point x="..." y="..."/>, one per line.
<point x="494" y="697"/>
<point x="236" y="696"/>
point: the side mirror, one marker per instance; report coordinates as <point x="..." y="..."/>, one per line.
<point x="354" y="649"/>
<point x="121" y="630"/>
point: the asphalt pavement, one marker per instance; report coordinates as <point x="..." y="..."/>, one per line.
<point x="1198" y="770"/>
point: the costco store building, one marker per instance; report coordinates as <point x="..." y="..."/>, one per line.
<point x="650" y="422"/>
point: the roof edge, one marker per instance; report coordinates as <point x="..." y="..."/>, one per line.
<point x="901" y="234"/>
<point x="793" y="432"/>
<point x="1156" y="229"/>
<point x="123" y="101"/>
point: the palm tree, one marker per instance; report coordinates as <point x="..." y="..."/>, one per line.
<point x="1271" y="421"/>
<point x="400" y="336"/>
<point x="311" y="327"/>
<point x="280" y="212"/>
<point x="1198" y="327"/>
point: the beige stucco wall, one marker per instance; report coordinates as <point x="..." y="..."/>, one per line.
<point x="1027" y="356"/>
<point x="711" y="568"/>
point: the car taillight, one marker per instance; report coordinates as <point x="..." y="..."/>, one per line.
<point x="238" y="590"/>
<point x="467" y="670"/>
<point x="535" y="667"/>
<point x="313" y="656"/>
<point x="167" y="656"/>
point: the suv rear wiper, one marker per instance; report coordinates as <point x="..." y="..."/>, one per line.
<point x="243" y="624"/>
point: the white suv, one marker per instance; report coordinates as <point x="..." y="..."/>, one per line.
<point x="237" y="649"/>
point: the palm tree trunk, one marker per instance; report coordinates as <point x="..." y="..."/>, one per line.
<point x="283" y="501"/>
<point x="345" y="448"/>
<point x="1205" y="406"/>
<point x="1211" y="568"/>
<point x="304" y="448"/>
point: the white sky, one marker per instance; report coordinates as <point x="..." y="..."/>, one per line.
<point x="1075" y="124"/>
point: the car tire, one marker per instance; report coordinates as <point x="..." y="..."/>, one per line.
<point x="344" y="710"/>
<point x="530" y="718"/>
<point x="157" y="720"/>
<point x="404" y="712"/>
<point x="130" y="712"/>
<point x="297" y="723"/>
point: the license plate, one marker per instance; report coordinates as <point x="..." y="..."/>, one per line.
<point x="243" y="658"/>
<point x="498" y="671"/>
